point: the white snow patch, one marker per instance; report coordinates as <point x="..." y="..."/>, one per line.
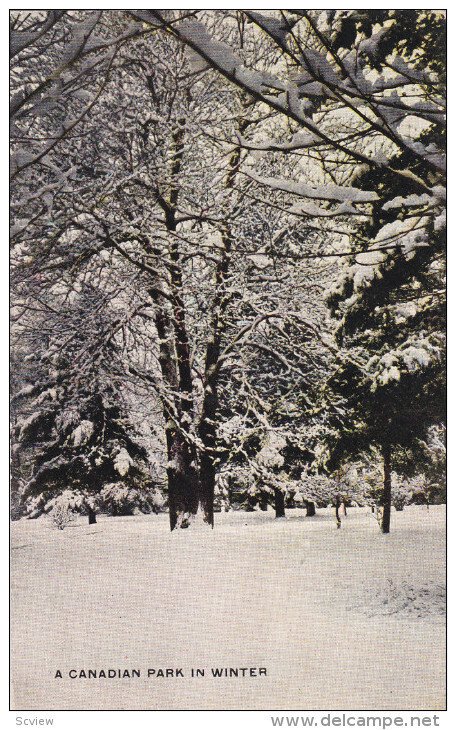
<point x="334" y="615"/>
<point x="122" y="462"/>
<point x="82" y="433"/>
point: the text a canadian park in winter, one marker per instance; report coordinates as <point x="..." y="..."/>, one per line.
<point x="228" y="357"/>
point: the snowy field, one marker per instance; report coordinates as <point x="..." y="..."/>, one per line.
<point x="340" y="619"/>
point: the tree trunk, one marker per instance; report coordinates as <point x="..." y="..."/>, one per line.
<point x="251" y="502"/>
<point x="279" y="503"/>
<point x="92" y="516"/>
<point x="182" y="470"/>
<point x="174" y="358"/>
<point x="182" y="480"/>
<point x="207" y="428"/>
<point x="310" y="506"/>
<point x="386" y="518"/>
<point x="263" y="502"/>
<point x="338" y="520"/>
<point x="207" y="487"/>
<point x="207" y="432"/>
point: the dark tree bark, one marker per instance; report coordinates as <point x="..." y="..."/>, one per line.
<point x="182" y="470"/>
<point x="263" y="502"/>
<point x="386" y="517"/>
<point x="338" y="520"/>
<point x="207" y="432"/>
<point x="310" y="507"/>
<point x="206" y="489"/>
<point x="92" y="516"/>
<point x="251" y="502"/>
<point x="279" y="503"/>
<point x="182" y="480"/>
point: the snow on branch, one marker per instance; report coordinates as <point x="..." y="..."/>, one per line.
<point x="336" y="193"/>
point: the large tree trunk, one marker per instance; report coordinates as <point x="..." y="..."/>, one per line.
<point x="386" y="518"/>
<point x="207" y="432"/>
<point x="207" y="487"/>
<point x="182" y="468"/>
<point x="279" y="503"/>
<point x="207" y="428"/>
<point x="182" y="480"/>
<point x="170" y="321"/>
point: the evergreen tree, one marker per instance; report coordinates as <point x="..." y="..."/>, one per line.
<point x="390" y="299"/>
<point x="74" y="423"/>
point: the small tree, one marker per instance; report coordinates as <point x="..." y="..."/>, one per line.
<point x="61" y="513"/>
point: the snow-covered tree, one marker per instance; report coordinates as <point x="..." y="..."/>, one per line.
<point x="390" y="413"/>
<point x="205" y="172"/>
<point x="73" y="419"/>
<point x="364" y="93"/>
<point x="376" y="71"/>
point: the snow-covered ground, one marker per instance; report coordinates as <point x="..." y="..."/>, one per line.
<point x="340" y="619"/>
